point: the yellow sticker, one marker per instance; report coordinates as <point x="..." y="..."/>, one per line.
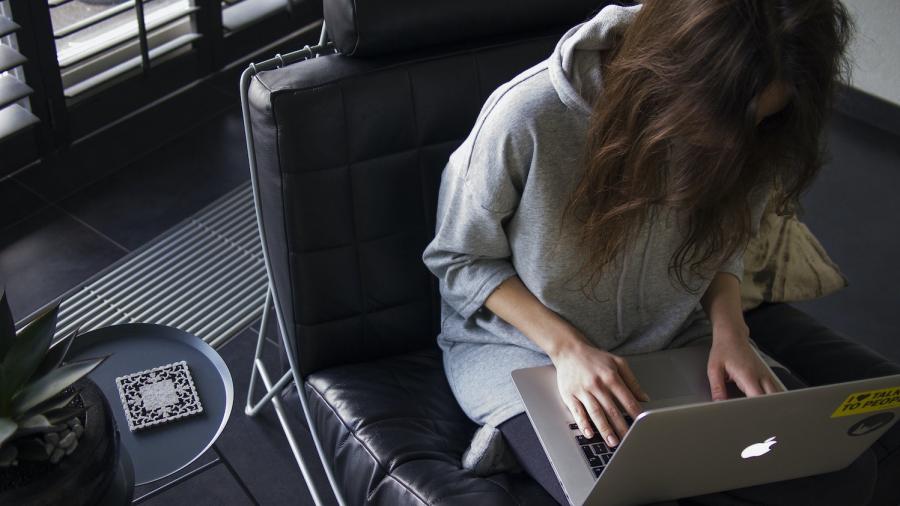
<point x="872" y="400"/>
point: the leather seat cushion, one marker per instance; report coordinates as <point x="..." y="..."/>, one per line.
<point x="396" y="435"/>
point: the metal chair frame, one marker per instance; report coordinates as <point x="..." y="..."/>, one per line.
<point x="293" y="376"/>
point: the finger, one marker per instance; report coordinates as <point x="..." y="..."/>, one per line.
<point x="625" y="398"/>
<point x="581" y="418"/>
<point x="614" y="416"/>
<point x="717" y="383"/>
<point x="598" y="416"/>
<point x="631" y="380"/>
<point x="748" y="384"/>
<point x="769" y="385"/>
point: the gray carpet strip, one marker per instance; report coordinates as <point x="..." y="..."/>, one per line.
<point x="205" y="276"/>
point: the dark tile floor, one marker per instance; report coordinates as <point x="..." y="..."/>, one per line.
<point x="47" y="253"/>
<point x="149" y="196"/>
<point x="52" y="239"/>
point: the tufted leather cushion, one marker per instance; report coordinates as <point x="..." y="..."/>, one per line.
<point x="396" y="435"/>
<point x="368" y="28"/>
<point x="349" y="159"/>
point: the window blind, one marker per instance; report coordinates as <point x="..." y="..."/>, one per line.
<point x="15" y="109"/>
<point x="98" y="42"/>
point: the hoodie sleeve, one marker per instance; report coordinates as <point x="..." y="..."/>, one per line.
<point x="480" y="190"/>
<point x="759" y="199"/>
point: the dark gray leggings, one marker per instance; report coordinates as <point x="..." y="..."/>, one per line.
<point x="874" y="478"/>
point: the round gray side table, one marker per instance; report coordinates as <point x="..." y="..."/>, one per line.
<point x="160" y="451"/>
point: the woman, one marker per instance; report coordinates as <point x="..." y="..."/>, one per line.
<point x="601" y="204"/>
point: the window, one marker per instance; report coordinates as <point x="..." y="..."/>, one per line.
<point x="99" y="40"/>
<point x="15" y="106"/>
<point x="92" y="64"/>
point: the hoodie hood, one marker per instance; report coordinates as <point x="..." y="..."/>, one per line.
<point x="574" y="64"/>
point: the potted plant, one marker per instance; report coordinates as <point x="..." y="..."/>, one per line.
<point x="58" y="441"/>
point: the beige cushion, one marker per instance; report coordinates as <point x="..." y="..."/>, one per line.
<point x="785" y="263"/>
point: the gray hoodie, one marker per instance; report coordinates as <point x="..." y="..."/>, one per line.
<point x="502" y="194"/>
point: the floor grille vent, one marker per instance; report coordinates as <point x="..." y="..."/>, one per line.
<point x="205" y="276"/>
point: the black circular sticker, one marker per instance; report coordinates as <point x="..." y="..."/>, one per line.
<point x="872" y="423"/>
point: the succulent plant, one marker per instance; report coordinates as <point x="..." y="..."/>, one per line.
<point x="37" y="412"/>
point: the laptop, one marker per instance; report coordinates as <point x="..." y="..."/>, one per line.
<point x="683" y="444"/>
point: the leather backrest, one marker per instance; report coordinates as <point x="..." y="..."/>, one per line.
<point x="376" y="27"/>
<point x="349" y="159"/>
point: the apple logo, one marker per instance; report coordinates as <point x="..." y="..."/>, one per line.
<point x="757" y="449"/>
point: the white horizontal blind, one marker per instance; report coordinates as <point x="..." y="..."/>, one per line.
<point x="100" y="40"/>
<point x="15" y="109"/>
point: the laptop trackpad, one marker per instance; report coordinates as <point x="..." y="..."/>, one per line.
<point x="671" y="380"/>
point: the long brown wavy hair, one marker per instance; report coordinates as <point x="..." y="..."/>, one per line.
<point x="675" y="123"/>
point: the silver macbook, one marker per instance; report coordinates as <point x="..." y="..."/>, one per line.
<point x="684" y="445"/>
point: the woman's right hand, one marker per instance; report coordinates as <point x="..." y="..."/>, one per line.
<point x="591" y="381"/>
<point x="593" y="384"/>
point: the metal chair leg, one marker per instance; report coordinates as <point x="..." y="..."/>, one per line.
<point x="271" y="297"/>
<point x="272" y="395"/>
<point x="258" y="368"/>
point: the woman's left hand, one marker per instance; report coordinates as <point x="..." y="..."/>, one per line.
<point x="732" y="358"/>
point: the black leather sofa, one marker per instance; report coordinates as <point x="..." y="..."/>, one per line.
<point x="349" y="152"/>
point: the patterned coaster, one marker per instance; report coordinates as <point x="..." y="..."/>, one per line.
<point x="158" y="395"/>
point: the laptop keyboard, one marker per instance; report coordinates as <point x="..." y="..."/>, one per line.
<point x="596" y="453"/>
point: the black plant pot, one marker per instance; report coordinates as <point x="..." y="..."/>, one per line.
<point x="79" y="479"/>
